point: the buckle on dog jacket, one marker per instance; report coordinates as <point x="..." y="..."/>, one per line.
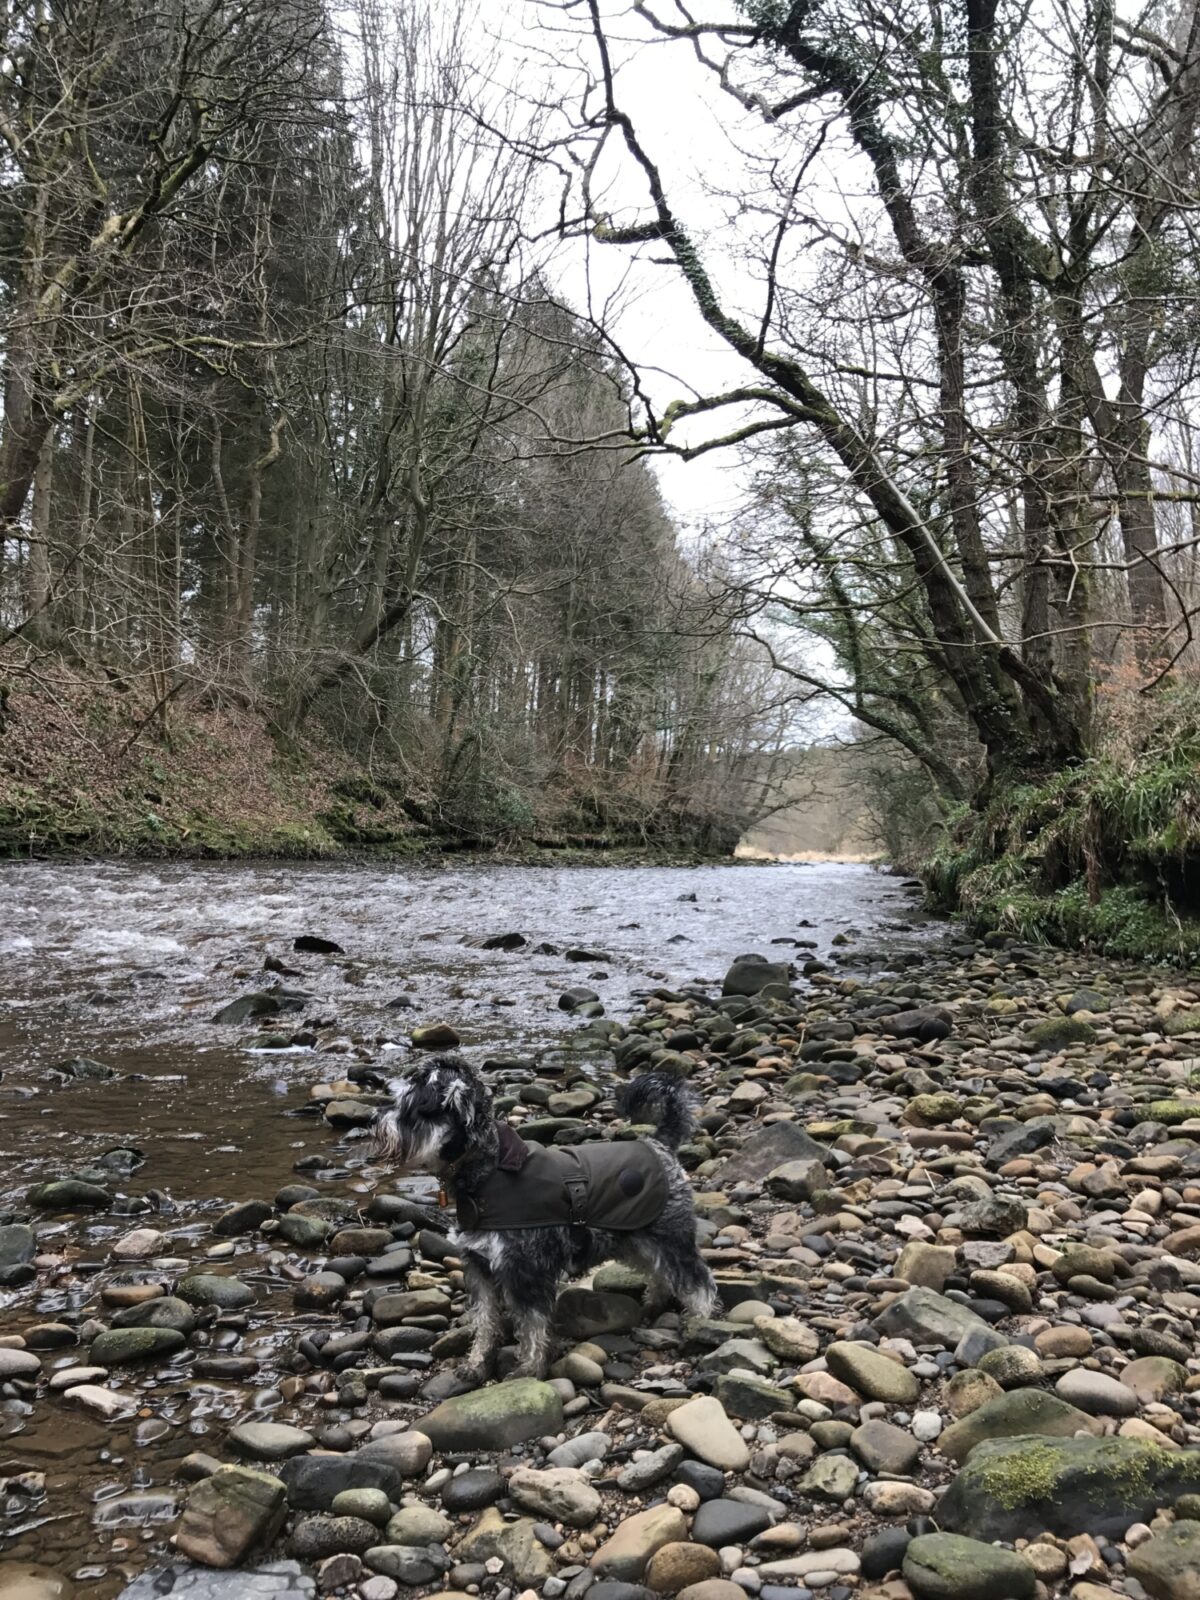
<point x="619" y="1185"/>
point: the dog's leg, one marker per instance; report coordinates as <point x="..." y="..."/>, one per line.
<point x="533" y="1341"/>
<point x="488" y="1317"/>
<point x="676" y="1272"/>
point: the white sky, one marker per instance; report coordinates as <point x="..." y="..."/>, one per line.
<point x="682" y="118"/>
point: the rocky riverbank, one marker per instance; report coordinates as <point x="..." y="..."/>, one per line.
<point x="955" y="1218"/>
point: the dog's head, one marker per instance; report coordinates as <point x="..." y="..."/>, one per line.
<point x="441" y="1110"/>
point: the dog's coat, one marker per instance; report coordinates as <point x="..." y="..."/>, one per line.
<point x="620" y="1186"/>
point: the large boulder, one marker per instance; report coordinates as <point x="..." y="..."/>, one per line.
<point x="229" y="1515"/>
<point x="1017" y="1488"/>
<point x="753" y="974"/>
<point x="495" y="1418"/>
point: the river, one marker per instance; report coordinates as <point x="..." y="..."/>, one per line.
<point x="128" y="964"/>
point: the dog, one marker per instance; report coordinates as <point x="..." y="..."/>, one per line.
<point x="529" y="1217"/>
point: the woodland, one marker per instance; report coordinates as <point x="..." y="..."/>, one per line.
<point x="297" y="462"/>
<point x="306" y="422"/>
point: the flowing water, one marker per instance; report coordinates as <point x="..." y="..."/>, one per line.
<point x="128" y="965"/>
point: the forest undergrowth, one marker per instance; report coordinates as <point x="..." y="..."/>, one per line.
<point x="1103" y="853"/>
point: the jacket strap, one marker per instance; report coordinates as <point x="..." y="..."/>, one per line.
<point x="577" y="1198"/>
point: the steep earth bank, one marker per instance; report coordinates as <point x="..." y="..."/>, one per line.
<point x="88" y="770"/>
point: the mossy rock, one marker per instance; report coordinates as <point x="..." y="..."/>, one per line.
<point x="1182" y="1022"/>
<point x="1056" y="1033"/>
<point x="945" y="1566"/>
<point x="68" y="1194"/>
<point x="1015" y="1414"/>
<point x="827" y="1132"/>
<point x="803" y="1083"/>
<point x="118" y="1346"/>
<point x="1018" y="1488"/>
<point x="1170" y="1111"/>
<point x="495" y="1418"/>
<point x="979" y="1110"/>
<point x="933" y="1110"/>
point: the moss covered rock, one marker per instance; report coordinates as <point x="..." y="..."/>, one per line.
<point x="1018" y="1488"/>
<point x="1056" y="1033"/>
<point x="1015" y="1414"/>
<point x="1168" y="1566"/>
<point x="945" y="1566"/>
<point x="933" y="1110"/>
<point x="495" y="1418"/>
<point x="119" y="1346"/>
<point x="1170" y="1111"/>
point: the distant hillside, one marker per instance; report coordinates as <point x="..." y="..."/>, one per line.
<point x="825" y="816"/>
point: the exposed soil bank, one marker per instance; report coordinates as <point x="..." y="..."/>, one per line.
<point x="91" y="772"/>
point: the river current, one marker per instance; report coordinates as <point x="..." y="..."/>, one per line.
<point x="128" y="964"/>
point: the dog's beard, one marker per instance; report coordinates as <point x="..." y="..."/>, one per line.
<point x="410" y="1144"/>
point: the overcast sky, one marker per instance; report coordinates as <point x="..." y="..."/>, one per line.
<point x="683" y="119"/>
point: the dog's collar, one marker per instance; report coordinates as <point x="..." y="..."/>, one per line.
<point x="512" y="1154"/>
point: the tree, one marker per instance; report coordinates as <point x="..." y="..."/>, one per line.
<point x="973" y="363"/>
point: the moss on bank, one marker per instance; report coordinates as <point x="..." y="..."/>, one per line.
<point x="1104" y="855"/>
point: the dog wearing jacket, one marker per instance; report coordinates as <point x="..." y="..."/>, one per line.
<point x="529" y="1216"/>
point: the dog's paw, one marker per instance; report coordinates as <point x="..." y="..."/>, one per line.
<point x="529" y="1369"/>
<point x="476" y="1377"/>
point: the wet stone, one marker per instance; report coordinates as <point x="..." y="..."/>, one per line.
<point x="230" y="1515"/>
<point x="18" y="1244"/>
<point x="214" y="1289"/>
<point x="722" y="1522"/>
<point x="317" y="1536"/>
<point x="272" y="1580"/>
<point x="269" y="1441"/>
<point x="18" y="1364"/>
<point x="28" y="1580"/>
<point x="120" y="1346"/>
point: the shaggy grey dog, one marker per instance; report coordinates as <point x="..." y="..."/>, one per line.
<point x="442" y="1121"/>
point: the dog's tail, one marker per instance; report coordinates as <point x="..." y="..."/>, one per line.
<point x="663" y="1100"/>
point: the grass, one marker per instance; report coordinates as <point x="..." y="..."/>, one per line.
<point x="1104" y="855"/>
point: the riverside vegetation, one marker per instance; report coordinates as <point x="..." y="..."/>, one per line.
<point x="951" y="1198"/>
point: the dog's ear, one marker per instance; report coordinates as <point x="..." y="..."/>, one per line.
<point x="469" y="1098"/>
<point x="387" y="1142"/>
